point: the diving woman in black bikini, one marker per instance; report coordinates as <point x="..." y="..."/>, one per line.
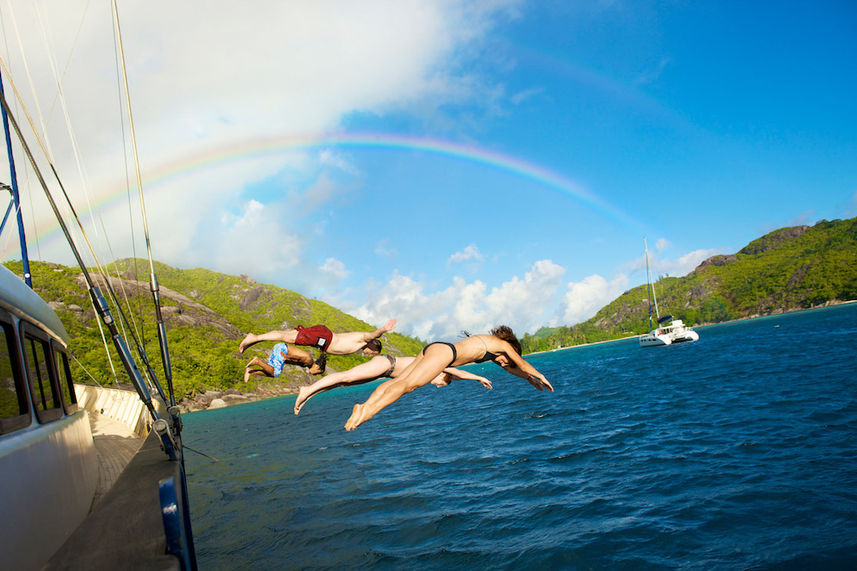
<point x="501" y="346"/>
<point x="376" y="368"/>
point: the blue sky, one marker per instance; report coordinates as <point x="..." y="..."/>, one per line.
<point x="452" y="165"/>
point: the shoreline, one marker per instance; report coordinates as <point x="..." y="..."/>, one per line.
<point x="826" y="305"/>
<point x="214" y="399"/>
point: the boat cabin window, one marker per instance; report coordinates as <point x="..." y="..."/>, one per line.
<point x="46" y="400"/>
<point x="14" y="409"/>
<point x="69" y="398"/>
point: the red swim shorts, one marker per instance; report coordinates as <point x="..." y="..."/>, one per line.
<point x="316" y="336"/>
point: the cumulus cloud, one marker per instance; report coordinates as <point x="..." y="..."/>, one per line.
<point x="335" y="268"/>
<point x="583" y="299"/>
<point x="471" y="252"/>
<point x="687" y="263"/>
<point x="539" y="298"/>
<point x="520" y="303"/>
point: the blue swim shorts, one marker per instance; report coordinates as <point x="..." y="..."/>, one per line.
<point x="278" y="358"/>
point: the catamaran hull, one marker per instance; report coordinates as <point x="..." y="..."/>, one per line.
<point x="677" y="332"/>
<point x="651" y="340"/>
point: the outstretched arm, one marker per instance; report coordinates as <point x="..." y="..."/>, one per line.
<point x="526" y="371"/>
<point x="453" y="373"/>
<point x="378" y="332"/>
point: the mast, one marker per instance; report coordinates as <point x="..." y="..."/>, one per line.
<point x="13" y="188"/>
<point x="153" y="278"/>
<point x="652" y="287"/>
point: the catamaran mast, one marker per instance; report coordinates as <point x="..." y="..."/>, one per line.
<point x="651" y="287"/>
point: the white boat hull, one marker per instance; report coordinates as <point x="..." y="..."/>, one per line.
<point x="49" y="474"/>
<point x="676" y="332"/>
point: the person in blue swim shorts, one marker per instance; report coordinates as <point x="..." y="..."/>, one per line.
<point x="281" y="355"/>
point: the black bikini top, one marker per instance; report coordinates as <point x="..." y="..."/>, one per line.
<point x="487" y="357"/>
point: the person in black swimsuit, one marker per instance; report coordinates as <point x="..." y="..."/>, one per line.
<point x="501" y="347"/>
<point x="376" y="368"/>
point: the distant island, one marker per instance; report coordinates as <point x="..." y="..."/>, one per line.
<point x="207" y="313"/>
<point x="789" y="269"/>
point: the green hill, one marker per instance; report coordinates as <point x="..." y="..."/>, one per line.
<point x="206" y="315"/>
<point x="788" y="269"/>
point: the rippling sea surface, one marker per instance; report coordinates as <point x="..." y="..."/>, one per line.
<point x="738" y="451"/>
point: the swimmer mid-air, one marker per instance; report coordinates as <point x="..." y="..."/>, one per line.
<point x="501" y="347"/>
<point x="321" y="337"/>
<point x="376" y="368"/>
<point x="281" y="355"/>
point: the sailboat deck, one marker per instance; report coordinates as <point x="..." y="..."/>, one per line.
<point x="115" y="445"/>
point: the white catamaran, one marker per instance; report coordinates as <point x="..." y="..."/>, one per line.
<point x="675" y="332"/>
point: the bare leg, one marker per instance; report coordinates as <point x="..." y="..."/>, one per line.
<point x="251" y="339"/>
<point x="264" y="368"/>
<point x="363" y="373"/>
<point x="254" y="372"/>
<point x="298" y="356"/>
<point x="425" y="368"/>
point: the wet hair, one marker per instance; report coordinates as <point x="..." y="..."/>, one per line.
<point x="322" y="362"/>
<point x="505" y="333"/>
<point x="374" y="345"/>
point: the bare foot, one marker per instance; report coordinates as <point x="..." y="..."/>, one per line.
<point x="246" y="375"/>
<point x="356" y="417"/>
<point x="249" y="339"/>
<point x="302" y="398"/>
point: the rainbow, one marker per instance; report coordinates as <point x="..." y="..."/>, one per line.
<point x="156" y="179"/>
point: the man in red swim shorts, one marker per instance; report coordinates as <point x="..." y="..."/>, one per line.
<point x="323" y="338"/>
<point x="318" y="336"/>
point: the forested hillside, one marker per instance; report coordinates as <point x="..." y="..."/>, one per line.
<point x="789" y="269"/>
<point x="206" y="315"/>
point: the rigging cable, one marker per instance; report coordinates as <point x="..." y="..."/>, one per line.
<point x="60" y="95"/>
<point x="140" y="350"/>
<point x="47" y="145"/>
<point x="101" y="303"/>
<point x="153" y="283"/>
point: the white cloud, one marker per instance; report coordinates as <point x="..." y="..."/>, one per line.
<point x="521" y="303"/>
<point x="471" y="252"/>
<point x="335" y="268"/>
<point x="662" y="244"/>
<point x="583" y="299"/>
<point x="384" y="249"/>
<point x="210" y="93"/>
<point x="526" y="95"/>
<point x="687" y="263"/>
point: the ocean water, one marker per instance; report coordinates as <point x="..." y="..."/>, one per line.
<point x="738" y="451"/>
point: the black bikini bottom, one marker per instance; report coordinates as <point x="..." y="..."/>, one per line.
<point x="450" y="345"/>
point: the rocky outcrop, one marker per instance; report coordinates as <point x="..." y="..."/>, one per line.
<point x="773" y="240"/>
<point x="210" y="400"/>
<point x="721" y="260"/>
<point x="177" y="309"/>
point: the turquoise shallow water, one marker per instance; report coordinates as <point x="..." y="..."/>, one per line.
<point x="735" y="452"/>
